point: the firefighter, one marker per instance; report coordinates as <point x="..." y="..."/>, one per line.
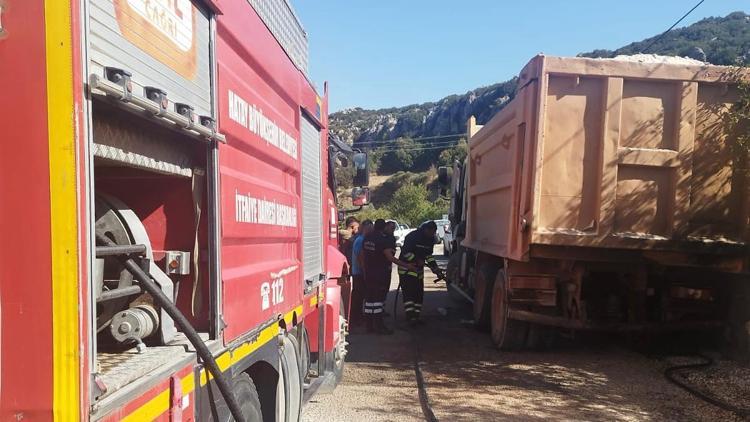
<point x="417" y="250"/>
<point x="379" y="253"/>
<point x="358" y="272"/>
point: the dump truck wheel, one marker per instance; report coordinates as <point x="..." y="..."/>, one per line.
<point x="506" y="333"/>
<point x="453" y="273"/>
<point x="485" y="278"/>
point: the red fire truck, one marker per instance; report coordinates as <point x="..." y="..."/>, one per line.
<point x="167" y="213"/>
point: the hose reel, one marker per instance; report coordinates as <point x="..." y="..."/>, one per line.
<point x="121" y="306"/>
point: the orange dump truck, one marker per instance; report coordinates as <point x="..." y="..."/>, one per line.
<point x="607" y="195"/>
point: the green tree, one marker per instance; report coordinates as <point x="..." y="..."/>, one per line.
<point x="457" y="153"/>
<point x="372" y="213"/>
<point x="399" y="156"/>
<point x="410" y="205"/>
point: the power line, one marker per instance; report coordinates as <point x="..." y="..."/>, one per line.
<point x="671" y="27"/>
<point x="388" y="148"/>
<point x="425" y="145"/>
<point x="417" y="145"/>
<point x="413" y="139"/>
<point x="418" y="149"/>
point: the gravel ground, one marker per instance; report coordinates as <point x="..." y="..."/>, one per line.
<point x="469" y="380"/>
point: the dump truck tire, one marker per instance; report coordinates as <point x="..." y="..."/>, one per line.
<point x="485" y="278"/>
<point x="506" y="333"/>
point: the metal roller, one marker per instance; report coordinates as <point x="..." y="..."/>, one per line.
<point x="134" y="324"/>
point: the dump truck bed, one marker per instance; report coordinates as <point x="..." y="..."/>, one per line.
<point x="613" y="154"/>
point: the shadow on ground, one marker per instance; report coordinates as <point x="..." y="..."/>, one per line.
<point x="469" y="380"/>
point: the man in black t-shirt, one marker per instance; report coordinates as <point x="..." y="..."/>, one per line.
<point x="378" y="250"/>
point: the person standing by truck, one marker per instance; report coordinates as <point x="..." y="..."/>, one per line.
<point x="379" y="253"/>
<point x="358" y="272"/>
<point x="417" y="250"/>
<point x="347" y="237"/>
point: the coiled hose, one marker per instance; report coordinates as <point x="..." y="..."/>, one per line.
<point x="670" y="373"/>
<point x="181" y="321"/>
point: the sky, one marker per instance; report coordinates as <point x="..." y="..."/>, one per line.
<point x="390" y="53"/>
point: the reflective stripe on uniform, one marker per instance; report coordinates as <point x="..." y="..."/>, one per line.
<point x="405" y="272"/>
<point x="374" y="307"/>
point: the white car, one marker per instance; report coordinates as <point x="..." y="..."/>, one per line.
<point x="448" y="241"/>
<point x="442" y="225"/>
<point x="401" y="231"/>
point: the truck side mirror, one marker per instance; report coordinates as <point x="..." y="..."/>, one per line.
<point x="360" y="196"/>
<point x="362" y="169"/>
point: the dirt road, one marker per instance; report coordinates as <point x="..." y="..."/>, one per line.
<point x="467" y="379"/>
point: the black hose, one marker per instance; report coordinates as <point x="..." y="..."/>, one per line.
<point x="424" y="399"/>
<point x="670" y="372"/>
<point x="200" y="347"/>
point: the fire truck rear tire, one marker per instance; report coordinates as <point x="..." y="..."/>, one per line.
<point x="303" y="348"/>
<point x="335" y="359"/>
<point x="246" y="394"/>
<point x="289" y="387"/>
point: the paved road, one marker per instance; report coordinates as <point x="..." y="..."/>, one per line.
<point x="469" y="380"/>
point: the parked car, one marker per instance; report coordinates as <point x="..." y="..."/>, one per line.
<point x="442" y="226"/>
<point x="401" y="231"/>
<point x="448" y="241"/>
